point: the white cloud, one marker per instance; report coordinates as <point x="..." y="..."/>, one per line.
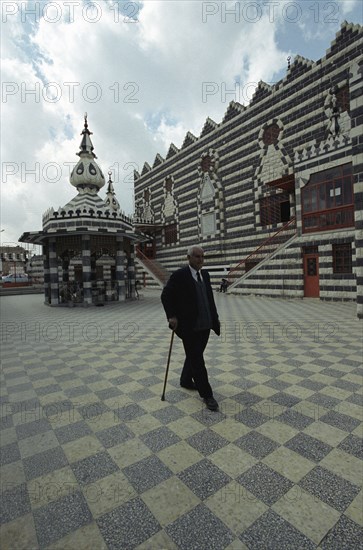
<point x="141" y="83"/>
<point x="170" y="133"/>
<point x="347" y="6"/>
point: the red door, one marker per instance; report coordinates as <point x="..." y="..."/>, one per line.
<point x="311" y="276"/>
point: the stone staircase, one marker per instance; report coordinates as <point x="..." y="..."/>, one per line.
<point x="265" y="252"/>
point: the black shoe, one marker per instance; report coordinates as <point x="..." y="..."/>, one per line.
<point x="190" y="386"/>
<point x="211" y="403"/>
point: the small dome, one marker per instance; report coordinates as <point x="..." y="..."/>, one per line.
<point x="87" y="173"/>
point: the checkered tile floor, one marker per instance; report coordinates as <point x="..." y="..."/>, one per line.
<point x="91" y="458"/>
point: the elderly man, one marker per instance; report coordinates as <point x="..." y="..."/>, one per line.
<point x="191" y="312"/>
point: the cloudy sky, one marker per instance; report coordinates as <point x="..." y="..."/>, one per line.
<point x="145" y="72"/>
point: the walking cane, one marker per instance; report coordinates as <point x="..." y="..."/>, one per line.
<point x="167" y="366"/>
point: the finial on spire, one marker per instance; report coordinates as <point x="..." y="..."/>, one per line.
<point x="110" y="188"/>
<point x="85" y="129"/>
<point x="86" y="145"/>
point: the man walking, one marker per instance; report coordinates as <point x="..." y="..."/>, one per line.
<point x="191" y="312"/>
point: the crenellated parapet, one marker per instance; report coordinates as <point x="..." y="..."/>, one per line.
<point x="146" y="168"/>
<point x="84" y="213"/>
<point x="301" y="60"/>
<point x="158" y="160"/>
<point x="140" y="220"/>
<point x="262" y="91"/>
<point x="314" y="150"/>
<point x="345" y="28"/>
<point x="188" y="140"/>
<point x="173" y="150"/>
<point x="208" y="127"/>
<point x="234" y="109"/>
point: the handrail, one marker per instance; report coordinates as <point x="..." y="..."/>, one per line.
<point x="141" y="254"/>
<point x="160" y="273"/>
<point x="269" y="240"/>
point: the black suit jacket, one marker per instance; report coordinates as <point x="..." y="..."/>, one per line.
<point x="179" y="298"/>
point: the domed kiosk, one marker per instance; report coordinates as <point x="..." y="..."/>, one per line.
<point x="88" y="244"/>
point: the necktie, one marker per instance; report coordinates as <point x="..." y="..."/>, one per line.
<point x="198" y="277"/>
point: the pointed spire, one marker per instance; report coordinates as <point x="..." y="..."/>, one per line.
<point x="86" y="146"/>
<point x="87" y="174"/>
<point x="110" y="199"/>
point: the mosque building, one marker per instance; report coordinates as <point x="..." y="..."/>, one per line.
<point x="274" y="192"/>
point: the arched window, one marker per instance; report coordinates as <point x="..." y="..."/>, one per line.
<point x="168" y="185"/>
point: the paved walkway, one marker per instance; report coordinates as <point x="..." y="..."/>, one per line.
<point x="91" y="458"/>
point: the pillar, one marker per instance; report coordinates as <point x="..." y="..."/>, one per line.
<point x="131" y="272"/>
<point x="46" y="274"/>
<point x="86" y="270"/>
<point x="107" y="283"/>
<point x="53" y="272"/>
<point x="120" y="269"/>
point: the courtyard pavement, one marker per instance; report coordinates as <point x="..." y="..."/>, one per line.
<point x="91" y="458"/>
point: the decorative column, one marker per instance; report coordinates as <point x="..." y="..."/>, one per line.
<point x="93" y="268"/>
<point x="131" y="272"/>
<point x="356" y="105"/>
<point x="53" y="272"/>
<point x="86" y="270"/>
<point x="46" y="274"/>
<point x="120" y="269"/>
<point x="107" y="283"/>
<point x="96" y="285"/>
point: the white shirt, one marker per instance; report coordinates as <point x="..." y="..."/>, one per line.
<point x="194" y="273"/>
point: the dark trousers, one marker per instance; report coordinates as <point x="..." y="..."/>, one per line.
<point x="194" y="367"/>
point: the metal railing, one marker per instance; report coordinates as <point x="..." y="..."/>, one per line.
<point x="153" y="267"/>
<point x="70" y="291"/>
<point x="268" y="246"/>
<point x="101" y="291"/>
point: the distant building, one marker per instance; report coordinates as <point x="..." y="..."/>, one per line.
<point x="274" y="192"/>
<point x="13" y="259"/>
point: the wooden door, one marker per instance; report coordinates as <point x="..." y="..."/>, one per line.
<point x="311" y="276"/>
<point x="148" y="249"/>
